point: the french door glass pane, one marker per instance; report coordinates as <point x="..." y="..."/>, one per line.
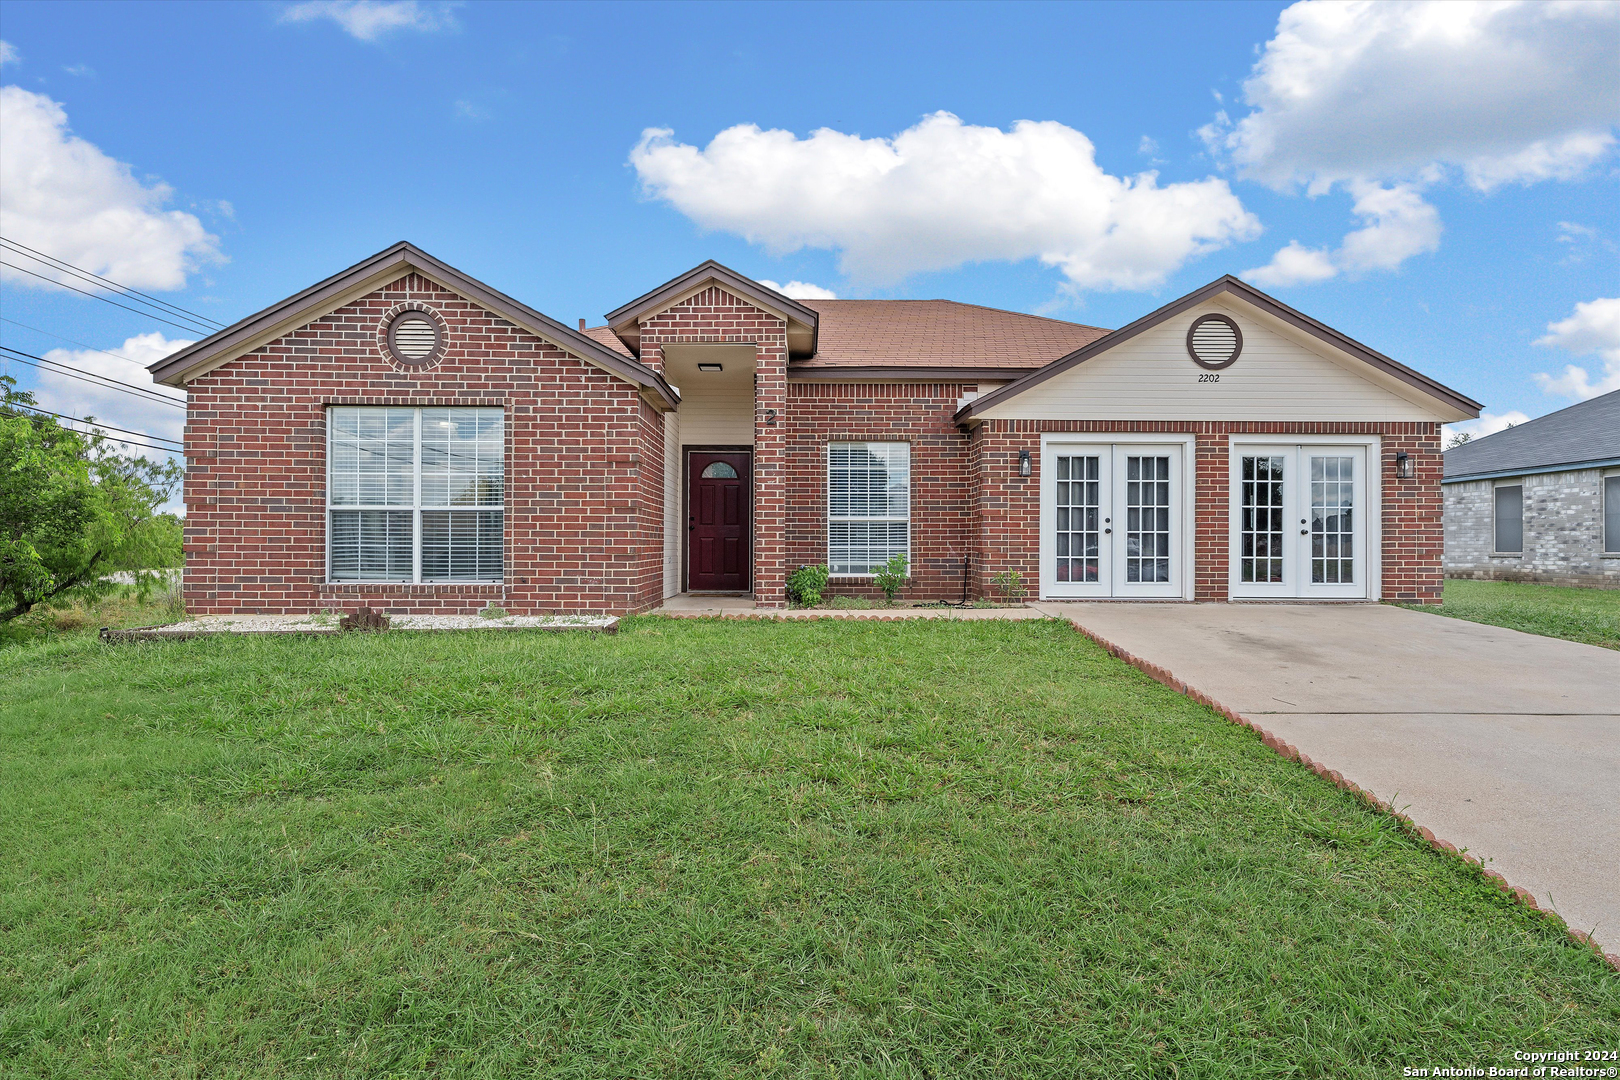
<point x="461" y="545"/>
<point x="1147" y="518"/>
<point x="1332" y="509"/>
<point x="1078" y="516"/>
<point x="371" y="545"/>
<point x="1262" y="524"/>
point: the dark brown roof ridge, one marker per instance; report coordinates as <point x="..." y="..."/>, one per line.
<point x="946" y="300"/>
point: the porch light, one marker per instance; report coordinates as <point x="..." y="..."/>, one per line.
<point x="711" y="367"/>
<point x="1405" y="467"/>
<point x="1023" y="463"/>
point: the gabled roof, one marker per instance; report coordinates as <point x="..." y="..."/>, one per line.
<point x="1583" y="435"/>
<point x="1244" y="291"/>
<point x="801" y="320"/>
<point x="386" y="266"/>
<point x="936" y="334"/>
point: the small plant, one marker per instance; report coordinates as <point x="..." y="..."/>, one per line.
<point x="891" y="577"/>
<point x="492" y="611"/>
<point x="805" y="585"/>
<point x="850" y="603"/>
<point x="1010" y="583"/>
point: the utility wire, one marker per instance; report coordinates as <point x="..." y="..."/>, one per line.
<point x="89" y="377"/>
<point x="75" y="341"/>
<point x="95" y="423"/>
<point x="80" y="272"/>
<point x="97" y="296"/>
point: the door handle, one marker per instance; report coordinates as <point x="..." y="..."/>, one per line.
<point x="1304" y="532"/>
<point x="1108" y="530"/>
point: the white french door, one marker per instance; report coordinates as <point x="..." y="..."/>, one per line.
<point x="1300" y="516"/>
<point x="1112" y="520"/>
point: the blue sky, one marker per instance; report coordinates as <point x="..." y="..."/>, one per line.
<point x="1441" y="180"/>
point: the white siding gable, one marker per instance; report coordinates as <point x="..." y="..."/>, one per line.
<point x="1281" y="374"/>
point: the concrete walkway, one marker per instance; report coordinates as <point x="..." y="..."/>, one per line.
<point x="1503" y="743"/>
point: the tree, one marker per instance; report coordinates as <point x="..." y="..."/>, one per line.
<point x="72" y="509"/>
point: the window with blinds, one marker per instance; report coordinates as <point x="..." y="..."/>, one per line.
<point x="415" y="495"/>
<point x="868" y="505"/>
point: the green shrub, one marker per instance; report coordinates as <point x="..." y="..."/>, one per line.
<point x="1011" y="585"/>
<point x="805" y="584"/>
<point x="891" y="577"/>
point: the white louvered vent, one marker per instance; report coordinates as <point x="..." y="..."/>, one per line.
<point x="1214" y="341"/>
<point x="415" y="338"/>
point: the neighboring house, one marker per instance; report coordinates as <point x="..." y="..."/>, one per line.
<point x="1539" y="501"/>
<point x="405" y="436"/>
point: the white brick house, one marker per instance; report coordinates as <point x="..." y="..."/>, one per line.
<point x="1540" y="501"/>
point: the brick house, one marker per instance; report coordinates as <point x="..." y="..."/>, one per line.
<point x="406" y="436"/>
<point x="1539" y="501"/>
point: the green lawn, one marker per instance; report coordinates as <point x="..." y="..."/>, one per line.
<point x="695" y="849"/>
<point x="1588" y="615"/>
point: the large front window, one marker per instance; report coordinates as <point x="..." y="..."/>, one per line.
<point x="868" y="505"/>
<point x="415" y="494"/>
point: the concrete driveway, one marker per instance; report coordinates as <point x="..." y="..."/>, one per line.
<point x="1506" y="744"/>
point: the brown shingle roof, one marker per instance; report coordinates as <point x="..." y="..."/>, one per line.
<point x="604" y="335"/>
<point x="938" y="333"/>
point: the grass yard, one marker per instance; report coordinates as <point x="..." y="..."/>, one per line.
<point x="716" y="849"/>
<point x="1591" y="616"/>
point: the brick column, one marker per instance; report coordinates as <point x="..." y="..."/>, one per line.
<point x="770" y="469"/>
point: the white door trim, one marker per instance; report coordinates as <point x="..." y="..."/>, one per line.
<point x="1373" y="485"/>
<point x="1053" y="442"/>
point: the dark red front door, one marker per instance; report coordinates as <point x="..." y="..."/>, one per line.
<point x="717" y="538"/>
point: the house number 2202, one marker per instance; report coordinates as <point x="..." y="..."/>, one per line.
<point x="1212" y="377"/>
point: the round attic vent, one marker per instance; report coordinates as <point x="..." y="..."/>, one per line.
<point x="414" y="338"/>
<point x="1214" y="341"/>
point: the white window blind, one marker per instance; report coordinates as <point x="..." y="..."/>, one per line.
<point x="868" y="505"/>
<point x="415" y="494"/>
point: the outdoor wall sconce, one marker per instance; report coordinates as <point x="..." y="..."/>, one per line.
<point x="1405" y="467"/>
<point x="1023" y="463"/>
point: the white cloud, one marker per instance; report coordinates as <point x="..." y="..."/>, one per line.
<point x="1505" y="91"/>
<point x="1293" y="265"/>
<point x="61" y="195"/>
<point x="74" y="397"/>
<point x="1570" y="232"/>
<point x="8" y="53"/>
<point x="800" y="290"/>
<point x="944" y="193"/>
<point x="1398" y="225"/>
<point x="1594" y="329"/>
<point x="368" y="20"/>
<point x="1483" y="425"/>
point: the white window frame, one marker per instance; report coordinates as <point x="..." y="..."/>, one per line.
<point x="416" y="508"/>
<point x="1373" y="467"/>
<point x="1604" y="549"/>
<point x="866" y="519"/>
<point x="1496" y="485"/>
<point x="1056" y="443"/>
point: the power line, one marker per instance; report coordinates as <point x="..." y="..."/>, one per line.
<point x="95" y="423"/>
<point x="97" y="296"/>
<point x="75" y="341"/>
<point x="87" y="377"/>
<point x="80" y="272"/>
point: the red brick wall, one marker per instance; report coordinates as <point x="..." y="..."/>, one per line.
<point x="583" y="482"/>
<point x="941" y="477"/>
<point x="1008" y="519"/>
<point x="715" y="315"/>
